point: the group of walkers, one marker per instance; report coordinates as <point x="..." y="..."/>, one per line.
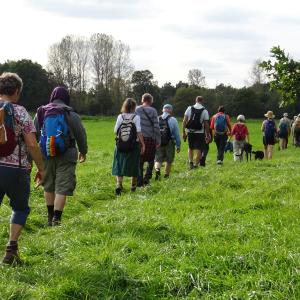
<point x="55" y="140"/>
<point x="50" y="141"/>
<point x="144" y="137"/>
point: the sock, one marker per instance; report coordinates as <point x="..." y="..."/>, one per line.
<point x="12" y="244"/>
<point x="50" y="209"/>
<point x="57" y="215"/>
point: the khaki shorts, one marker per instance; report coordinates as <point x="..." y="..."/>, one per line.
<point x="166" y="153"/>
<point x="60" y="176"/>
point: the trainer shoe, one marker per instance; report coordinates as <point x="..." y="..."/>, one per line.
<point x="219" y="162"/>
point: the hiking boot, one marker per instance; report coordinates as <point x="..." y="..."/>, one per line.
<point x="191" y="165"/>
<point x="219" y="162"/>
<point x="146" y="181"/>
<point x="56" y="222"/>
<point x="50" y="218"/>
<point x="11" y="256"/>
<point x="157" y="175"/>
<point x="166" y="176"/>
<point x="133" y="189"/>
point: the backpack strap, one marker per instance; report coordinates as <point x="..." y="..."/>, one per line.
<point x="148" y="117"/>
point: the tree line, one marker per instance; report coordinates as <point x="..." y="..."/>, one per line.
<point x="99" y="75"/>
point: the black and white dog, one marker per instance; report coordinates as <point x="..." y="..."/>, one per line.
<point x="229" y="147"/>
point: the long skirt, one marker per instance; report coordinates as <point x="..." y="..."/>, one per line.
<point x="127" y="163"/>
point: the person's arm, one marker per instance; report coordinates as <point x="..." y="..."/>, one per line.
<point x="79" y="134"/>
<point x="35" y="153"/>
<point x="212" y="125"/>
<point x="247" y="134"/>
<point x="207" y="132"/>
<point x="228" y="124"/>
<point x="263" y="126"/>
<point x="184" y="122"/>
<point x="142" y="143"/>
<point x="174" y="128"/>
<point x="156" y="130"/>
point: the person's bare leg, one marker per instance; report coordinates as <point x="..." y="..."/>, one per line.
<point x="15" y="231"/>
<point x="266" y="152"/>
<point x="157" y="165"/>
<point x="60" y="201"/>
<point x="168" y="169"/>
<point x="198" y="157"/>
<point x="191" y="155"/>
<point x="270" y="151"/>
<point x="49" y="198"/>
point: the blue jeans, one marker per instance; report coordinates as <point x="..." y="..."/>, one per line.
<point x="15" y="183"/>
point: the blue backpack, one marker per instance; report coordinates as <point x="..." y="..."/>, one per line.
<point x="270" y="129"/>
<point x="55" y="136"/>
<point x="283" y="128"/>
<point x="220" y="123"/>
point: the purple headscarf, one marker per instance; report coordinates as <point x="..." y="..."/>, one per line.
<point x="60" y="93"/>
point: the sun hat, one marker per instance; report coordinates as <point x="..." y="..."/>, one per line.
<point x="168" y="106"/>
<point x="241" y="118"/>
<point x="270" y="115"/>
<point x="286" y="115"/>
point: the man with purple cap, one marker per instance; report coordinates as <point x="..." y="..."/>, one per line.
<point x="170" y="138"/>
<point x="60" y="131"/>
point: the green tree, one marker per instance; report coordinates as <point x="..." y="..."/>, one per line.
<point x="284" y="75"/>
<point x="37" y="82"/>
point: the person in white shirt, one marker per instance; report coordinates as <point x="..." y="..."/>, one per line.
<point x="127" y="163"/>
<point x="196" y="130"/>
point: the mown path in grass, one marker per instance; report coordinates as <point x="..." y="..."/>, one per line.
<point x="229" y="232"/>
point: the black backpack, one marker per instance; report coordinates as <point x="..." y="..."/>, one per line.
<point x="126" y="135"/>
<point x="165" y="131"/>
<point x="195" y="120"/>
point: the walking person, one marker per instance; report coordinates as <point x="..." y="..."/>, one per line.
<point x="60" y="130"/>
<point x="129" y="146"/>
<point x="269" y="131"/>
<point x="196" y="130"/>
<point x="151" y="134"/>
<point x="240" y="134"/>
<point x="284" y="131"/>
<point x="170" y="138"/>
<point x="296" y="131"/>
<point x="17" y="140"/>
<point x="221" y="127"/>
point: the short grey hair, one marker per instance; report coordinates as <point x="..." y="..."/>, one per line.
<point x="147" y="98"/>
<point x="10" y="83"/>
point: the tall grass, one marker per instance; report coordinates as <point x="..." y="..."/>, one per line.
<point x="220" y="232"/>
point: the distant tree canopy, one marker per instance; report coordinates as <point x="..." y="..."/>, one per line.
<point x="284" y="75"/>
<point x="99" y="75"/>
<point x="38" y="83"/>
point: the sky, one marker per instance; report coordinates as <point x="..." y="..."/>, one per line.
<point x="168" y="37"/>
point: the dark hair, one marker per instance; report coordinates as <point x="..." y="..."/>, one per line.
<point x="147" y="98"/>
<point x="10" y="83"/>
<point x="128" y="106"/>
<point x="221" y="109"/>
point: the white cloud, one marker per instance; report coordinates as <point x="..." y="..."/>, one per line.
<point x="222" y="38"/>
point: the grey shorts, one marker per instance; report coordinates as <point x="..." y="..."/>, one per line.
<point x="60" y="177"/>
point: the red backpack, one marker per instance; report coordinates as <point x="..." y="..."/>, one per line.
<point x="240" y="132"/>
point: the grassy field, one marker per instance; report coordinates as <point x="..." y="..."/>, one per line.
<point x="222" y="232"/>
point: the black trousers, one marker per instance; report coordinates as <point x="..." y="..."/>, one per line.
<point x="148" y="173"/>
<point x="220" y="140"/>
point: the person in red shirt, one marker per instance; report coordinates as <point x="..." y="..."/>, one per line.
<point x="221" y="128"/>
<point x="241" y="136"/>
